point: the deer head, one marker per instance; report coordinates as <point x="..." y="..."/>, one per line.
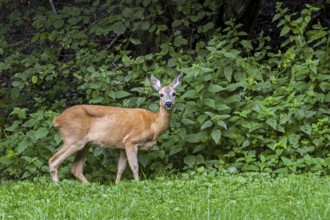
<point x="166" y="93"/>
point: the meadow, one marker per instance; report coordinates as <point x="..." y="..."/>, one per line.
<point x="208" y="195"/>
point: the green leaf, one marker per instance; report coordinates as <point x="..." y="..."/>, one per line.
<point x="206" y="69"/>
<point x="121" y="94"/>
<point x="286" y="161"/>
<point x="58" y="23"/>
<point x="272" y="123"/>
<point x="171" y="62"/>
<point x="277" y="16"/>
<point x="139" y="101"/>
<point x="233" y="86"/>
<point x="190" y="94"/>
<point x="119" y="28"/>
<point x="215" y="88"/>
<point x="176" y="149"/>
<point x="143" y="159"/>
<point x="135" y="41"/>
<point x="195" y="138"/>
<point x="41" y="133"/>
<point x="14" y="126"/>
<point x="222" y="124"/>
<point x="228" y="72"/>
<point x="22" y="146"/>
<point x="176" y="23"/>
<point x="199" y="148"/>
<point x="111" y="94"/>
<point x="210" y="103"/>
<point x="206" y="124"/>
<point x="306" y="129"/>
<point x="187" y="121"/>
<point x="216" y="135"/>
<point x="145" y="25"/>
<point x="189" y="160"/>
<point x="98" y="151"/>
<point x="34" y="79"/>
<point x="19" y="112"/>
<point x="247" y="44"/>
<point x="179" y="41"/>
<point x="221" y="106"/>
<point x="127" y="12"/>
<point x="282" y="170"/>
<point x="284" y="31"/>
<point x="229" y="54"/>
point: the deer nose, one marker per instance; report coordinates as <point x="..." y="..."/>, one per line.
<point x="168" y="104"/>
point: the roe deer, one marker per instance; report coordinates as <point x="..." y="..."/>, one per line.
<point x="127" y="129"/>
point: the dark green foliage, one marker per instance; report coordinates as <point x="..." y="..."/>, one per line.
<point x="241" y="106"/>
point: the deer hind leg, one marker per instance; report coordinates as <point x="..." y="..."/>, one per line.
<point x="121" y="165"/>
<point x="78" y="164"/>
<point x="67" y="150"/>
<point x="131" y="153"/>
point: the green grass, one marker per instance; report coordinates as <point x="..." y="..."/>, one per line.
<point x="206" y="196"/>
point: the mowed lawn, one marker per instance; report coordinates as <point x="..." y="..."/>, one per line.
<point x="205" y="196"/>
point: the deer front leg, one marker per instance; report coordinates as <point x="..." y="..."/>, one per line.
<point x="131" y="153"/>
<point x="121" y="165"/>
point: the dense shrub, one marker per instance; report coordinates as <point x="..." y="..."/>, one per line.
<point x="241" y="106"/>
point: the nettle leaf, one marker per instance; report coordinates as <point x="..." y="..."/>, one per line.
<point x="179" y="41"/>
<point x="111" y="94"/>
<point x="127" y="12"/>
<point x="190" y="94"/>
<point x="206" y="124"/>
<point x="22" y="146"/>
<point x="196" y="138"/>
<point x="119" y="27"/>
<point x="272" y="123"/>
<point x="189" y="160"/>
<point x="222" y="106"/>
<point x="135" y="41"/>
<point x="216" y="135"/>
<point x="41" y="133"/>
<point x="286" y="161"/>
<point x="139" y="101"/>
<point x="247" y="44"/>
<point x="231" y="53"/>
<point x="228" y="72"/>
<point x="145" y="25"/>
<point x="121" y="94"/>
<point x="210" y="103"/>
<point x="58" y="23"/>
<point x="306" y="129"/>
<point x="171" y="62"/>
<point x="206" y="69"/>
<point x="215" y="88"/>
<point x="187" y="121"/>
<point x="201" y="118"/>
<point x="284" y="31"/>
<point x="199" y="148"/>
<point x="222" y="124"/>
<point x="176" y="149"/>
<point x="143" y="159"/>
<point x="98" y="151"/>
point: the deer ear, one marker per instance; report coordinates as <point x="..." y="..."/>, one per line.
<point x="177" y="81"/>
<point x="156" y="84"/>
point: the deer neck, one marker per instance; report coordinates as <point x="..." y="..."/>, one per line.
<point x="162" y="121"/>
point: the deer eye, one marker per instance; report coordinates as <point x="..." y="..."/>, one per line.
<point x="161" y="95"/>
<point x="173" y="94"/>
